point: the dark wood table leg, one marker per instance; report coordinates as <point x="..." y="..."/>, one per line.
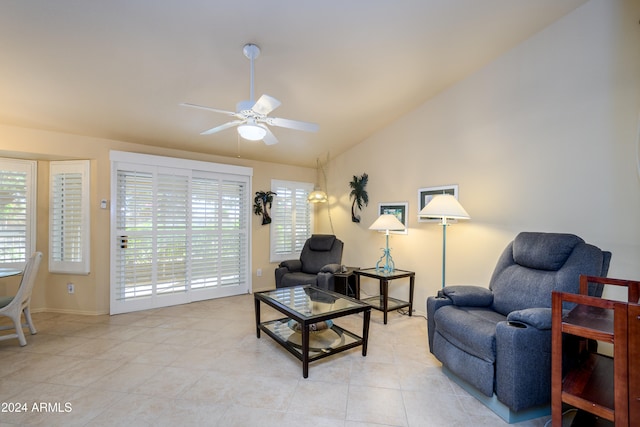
<point x="357" y="286"/>
<point x="365" y="331"/>
<point x="412" y="281"/>
<point x="384" y="284"/>
<point x="257" y="304"/>
<point x="305" y="350"/>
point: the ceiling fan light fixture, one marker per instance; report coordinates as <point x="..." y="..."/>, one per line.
<point x="252" y="131"/>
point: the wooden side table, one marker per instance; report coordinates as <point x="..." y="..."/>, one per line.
<point x="382" y="302"/>
<point x="345" y="283"/>
<point x="599" y="386"/>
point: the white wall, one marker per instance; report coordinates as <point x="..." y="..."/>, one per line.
<point x="542" y="139"/>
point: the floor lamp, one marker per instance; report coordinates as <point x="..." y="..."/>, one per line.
<point x="386" y="222"/>
<point x="444" y="206"/>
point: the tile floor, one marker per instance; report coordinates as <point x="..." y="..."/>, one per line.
<point x="201" y="365"/>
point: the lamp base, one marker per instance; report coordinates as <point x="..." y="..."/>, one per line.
<point x="389" y="265"/>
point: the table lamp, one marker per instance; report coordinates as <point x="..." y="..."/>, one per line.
<point x="386" y="223"/>
<point x="444" y="206"/>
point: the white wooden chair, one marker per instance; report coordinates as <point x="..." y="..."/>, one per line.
<point x="14" y="306"/>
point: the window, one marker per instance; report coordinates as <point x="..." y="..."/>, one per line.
<point x="291" y="219"/>
<point x="17" y="211"/>
<point x="180" y="232"/>
<point x="69" y="217"/>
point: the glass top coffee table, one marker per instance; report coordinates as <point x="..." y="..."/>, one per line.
<point x="307" y="331"/>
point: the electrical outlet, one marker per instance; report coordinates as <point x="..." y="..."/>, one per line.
<point x="259" y="272"/>
<point x="71" y="288"/>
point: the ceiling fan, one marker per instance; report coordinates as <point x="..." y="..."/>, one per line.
<point x="252" y="116"/>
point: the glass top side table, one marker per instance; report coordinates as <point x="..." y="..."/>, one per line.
<point x="383" y="302"/>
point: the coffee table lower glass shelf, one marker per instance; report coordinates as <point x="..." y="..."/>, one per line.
<point x="321" y="343"/>
<point x="308" y="331"/>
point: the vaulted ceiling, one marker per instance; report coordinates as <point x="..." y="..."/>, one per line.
<point x="119" y="69"/>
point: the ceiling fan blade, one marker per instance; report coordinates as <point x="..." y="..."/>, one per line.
<point x="222" y="127"/>
<point x="269" y="138"/>
<point x="265" y="105"/>
<point x="293" y="124"/>
<point x="215" y="110"/>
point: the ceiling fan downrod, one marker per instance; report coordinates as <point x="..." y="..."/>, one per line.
<point x="251" y="51"/>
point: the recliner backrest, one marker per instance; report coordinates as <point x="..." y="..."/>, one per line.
<point x="535" y="264"/>
<point x="320" y="250"/>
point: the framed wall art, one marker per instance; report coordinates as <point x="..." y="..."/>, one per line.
<point x="426" y="194"/>
<point x="399" y="210"/>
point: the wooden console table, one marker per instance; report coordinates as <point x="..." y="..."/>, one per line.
<point x="382" y="302"/>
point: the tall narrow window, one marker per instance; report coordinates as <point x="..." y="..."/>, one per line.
<point x="292" y="219"/>
<point x="69" y="217"/>
<point x="17" y="211"/>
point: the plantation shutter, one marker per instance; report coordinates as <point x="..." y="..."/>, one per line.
<point x="181" y="234"/>
<point x="69" y="217"/>
<point x="292" y="219"/>
<point x="172" y="221"/>
<point x="135" y="243"/>
<point x="17" y="211"/>
<point x="219" y="230"/>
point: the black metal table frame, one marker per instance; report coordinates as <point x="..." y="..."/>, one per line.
<point x="305" y="322"/>
<point x="384" y="288"/>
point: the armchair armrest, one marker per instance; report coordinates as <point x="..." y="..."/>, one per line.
<point x="292" y="264"/>
<point x="325" y="276"/>
<point x="288" y="266"/>
<point x="433" y="304"/>
<point x="523" y="347"/>
<point x="468" y="296"/>
<point x="524" y="355"/>
<point x="331" y="268"/>
<point x="539" y="318"/>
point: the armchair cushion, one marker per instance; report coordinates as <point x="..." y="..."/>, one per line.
<point x="516" y="286"/>
<point x="471" y="329"/>
<point x="543" y="251"/>
<point x="328" y="250"/>
<point x="297" y="278"/>
<point x="321" y="242"/>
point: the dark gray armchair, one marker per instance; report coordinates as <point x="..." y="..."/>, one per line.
<point x="319" y="260"/>
<point x="496" y="342"/>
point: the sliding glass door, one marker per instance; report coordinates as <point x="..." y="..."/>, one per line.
<point x="179" y="234"/>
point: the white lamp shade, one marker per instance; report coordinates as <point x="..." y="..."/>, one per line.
<point x="387" y="222"/>
<point x="444" y="206"/>
<point x="252" y="131"/>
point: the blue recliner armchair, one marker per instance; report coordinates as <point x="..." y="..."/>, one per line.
<point x="320" y="259"/>
<point x="496" y="342"/>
